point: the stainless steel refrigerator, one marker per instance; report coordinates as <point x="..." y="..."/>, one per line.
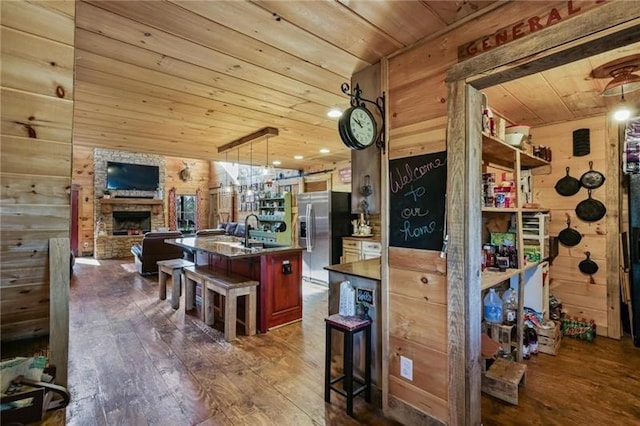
<point x="324" y="218"/>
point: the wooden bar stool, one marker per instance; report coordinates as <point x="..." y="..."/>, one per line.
<point x="231" y="287"/>
<point x="173" y="269"/>
<point x="349" y="326"/>
<point x="191" y="279"/>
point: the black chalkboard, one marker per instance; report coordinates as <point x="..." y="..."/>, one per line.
<point x="418" y="186"/>
<point x="366" y="295"/>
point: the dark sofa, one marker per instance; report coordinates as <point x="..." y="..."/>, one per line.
<point x="233" y="228"/>
<point x="152" y="248"/>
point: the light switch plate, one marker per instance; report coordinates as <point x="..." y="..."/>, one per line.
<point x="406" y="368"/>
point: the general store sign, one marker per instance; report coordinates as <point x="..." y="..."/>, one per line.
<point x="525" y="27"/>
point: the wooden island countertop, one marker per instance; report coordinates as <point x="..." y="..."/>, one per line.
<point x="369" y="268"/>
<point x="230" y="247"/>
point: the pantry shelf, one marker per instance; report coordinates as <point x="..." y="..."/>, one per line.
<point x="493" y="278"/>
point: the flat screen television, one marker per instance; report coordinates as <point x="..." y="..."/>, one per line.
<point x="139" y="177"/>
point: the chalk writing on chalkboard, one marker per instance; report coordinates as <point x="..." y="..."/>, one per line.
<point x="418" y="187"/>
<point x="365" y="295"/>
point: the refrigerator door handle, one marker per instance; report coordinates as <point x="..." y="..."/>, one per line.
<point x="310" y="226"/>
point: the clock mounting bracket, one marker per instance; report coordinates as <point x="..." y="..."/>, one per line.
<point x="358" y="100"/>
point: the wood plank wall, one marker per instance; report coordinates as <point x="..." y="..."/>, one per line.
<point x="582" y="295"/>
<point x="199" y="180"/>
<point x="37" y="105"/>
<point x="82" y="176"/>
<point x="418" y="301"/>
<point x="417" y="105"/>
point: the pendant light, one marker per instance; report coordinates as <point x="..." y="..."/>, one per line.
<point x="227" y="187"/>
<point x="250" y="186"/>
<point x="238" y="168"/>
<point x="267" y="167"/>
<point x="622" y="112"/>
<point x="623" y="79"/>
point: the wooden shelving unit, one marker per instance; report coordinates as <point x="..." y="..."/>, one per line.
<point x="274" y="212"/>
<point x="496" y="153"/>
<point x="493" y="278"/>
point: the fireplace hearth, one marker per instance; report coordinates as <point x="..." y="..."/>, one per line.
<point x="131" y="223"/>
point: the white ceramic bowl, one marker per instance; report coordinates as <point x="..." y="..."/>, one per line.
<point x="514" y="139"/>
<point x="518" y="128"/>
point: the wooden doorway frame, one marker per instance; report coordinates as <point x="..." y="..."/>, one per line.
<point x="607" y="27"/>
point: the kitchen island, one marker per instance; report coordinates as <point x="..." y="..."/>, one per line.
<point x="364" y="276"/>
<point x="277" y="268"/>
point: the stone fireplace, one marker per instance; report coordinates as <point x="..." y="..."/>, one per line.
<point x="124" y="221"/>
<point x="120" y="218"/>
<point x="131" y="223"/>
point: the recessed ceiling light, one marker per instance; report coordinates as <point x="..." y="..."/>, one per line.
<point x="298" y="157"/>
<point x="334" y="113"/>
<point x="324" y="151"/>
<point x="276" y="162"/>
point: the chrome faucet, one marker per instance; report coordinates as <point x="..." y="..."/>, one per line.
<point x="246" y="228"/>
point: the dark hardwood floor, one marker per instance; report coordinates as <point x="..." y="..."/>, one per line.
<point x="594" y="383"/>
<point x="136" y="361"/>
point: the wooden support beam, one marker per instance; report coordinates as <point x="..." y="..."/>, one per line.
<point x="611" y="220"/>
<point x="59" y="277"/>
<point x="253" y="137"/>
<point x="464" y="302"/>
<point x="528" y="51"/>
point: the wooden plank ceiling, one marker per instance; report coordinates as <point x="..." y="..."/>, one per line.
<point x="561" y="94"/>
<point x="181" y="78"/>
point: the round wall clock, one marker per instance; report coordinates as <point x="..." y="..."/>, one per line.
<point x="357" y="128"/>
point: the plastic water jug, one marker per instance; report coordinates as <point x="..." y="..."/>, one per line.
<point x="493" y="307"/>
<point x="347" y="299"/>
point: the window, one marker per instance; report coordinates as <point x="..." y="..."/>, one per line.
<point x="186" y="213"/>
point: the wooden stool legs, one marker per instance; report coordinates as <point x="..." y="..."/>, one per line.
<point x="230" y="296"/>
<point x="173" y="268"/>
<point x="175" y="288"/>
<point x="349" y="326"/>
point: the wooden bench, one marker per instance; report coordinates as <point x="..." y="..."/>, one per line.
<point x="172" y="268"/>
<point x="230" y="286"/>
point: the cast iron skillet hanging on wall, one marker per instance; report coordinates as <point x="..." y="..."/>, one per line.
<point x="592" y="179"/>
<point x="568" y="185"/>
<point x="588" y="266"/>
<point x="569" y="236"/>
<point x="590" y="210"/>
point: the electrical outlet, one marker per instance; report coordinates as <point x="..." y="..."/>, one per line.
<point x="406" y="368"/>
